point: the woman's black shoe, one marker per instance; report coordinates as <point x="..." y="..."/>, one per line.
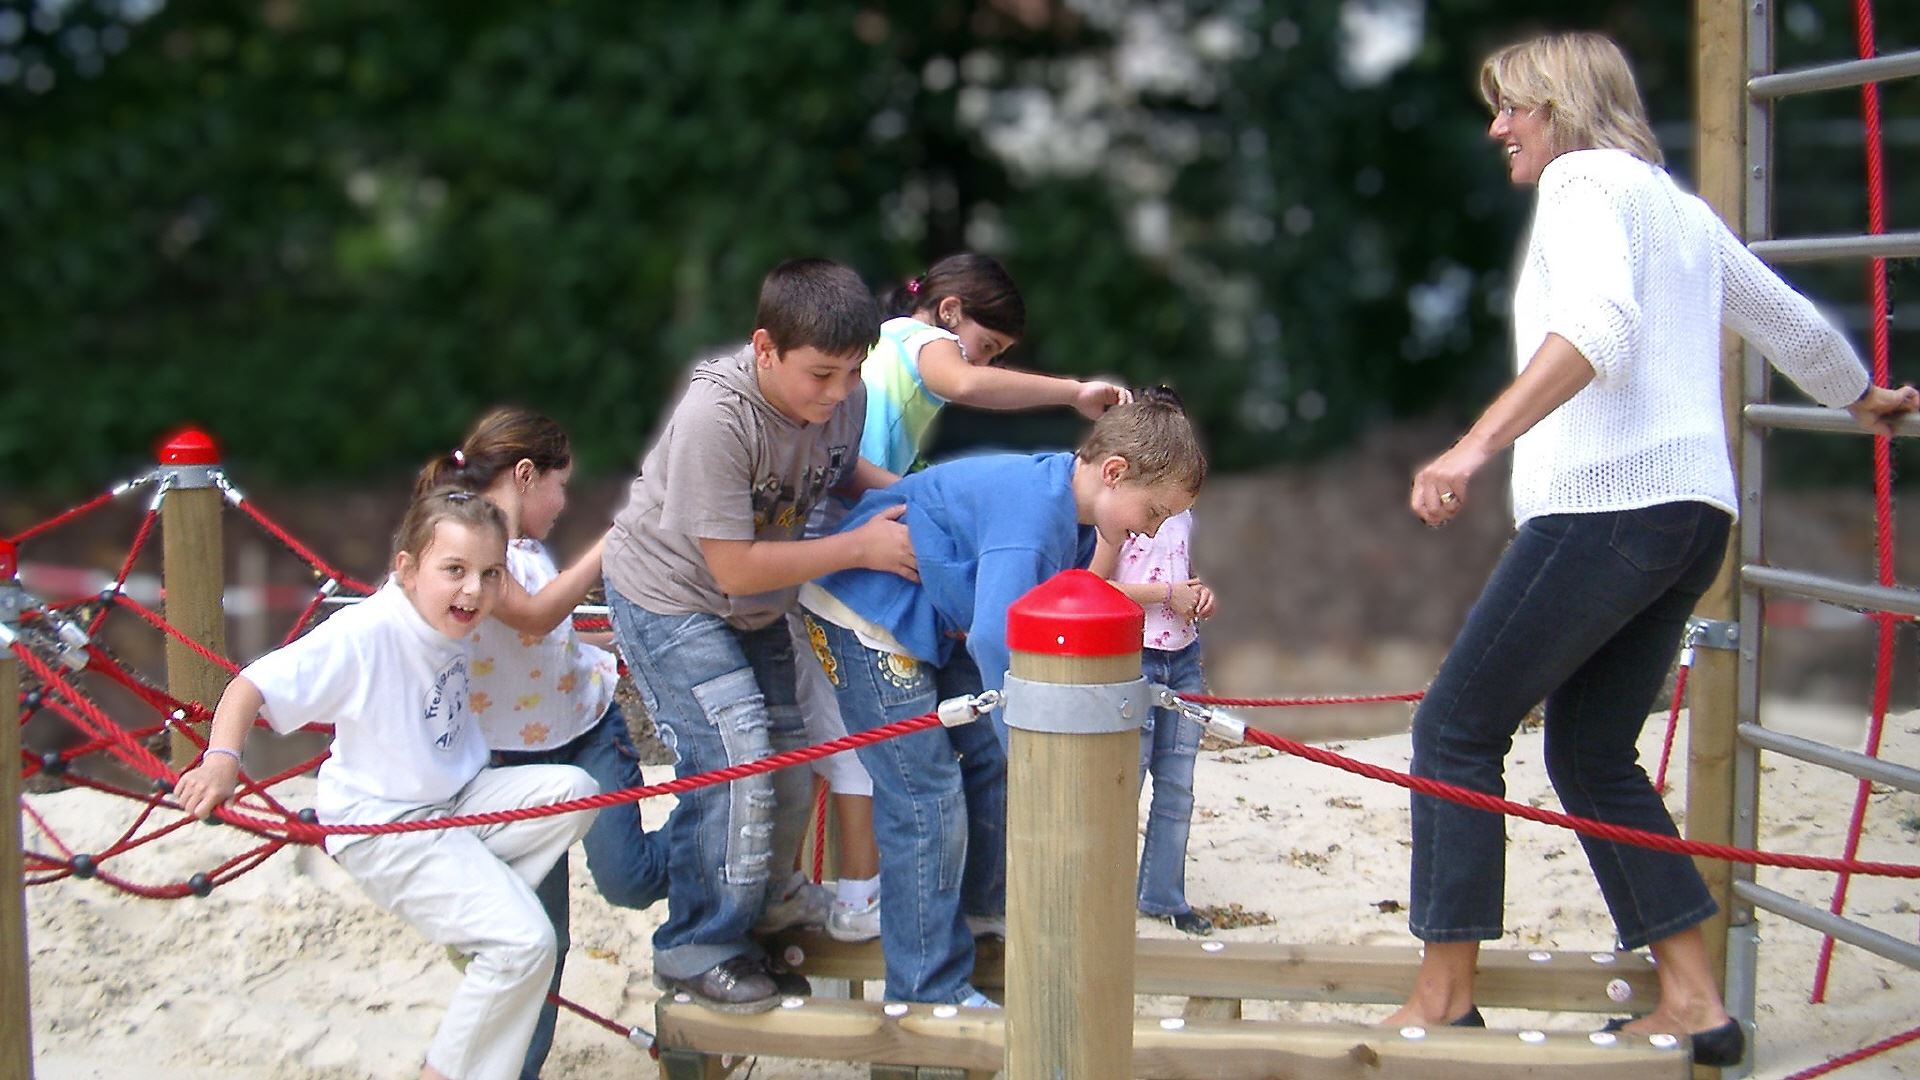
<point x="1470" y="1018"/>
<point x="1717" y="1047"/>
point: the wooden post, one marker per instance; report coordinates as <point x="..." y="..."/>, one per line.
<point x="1075" y="702"/>
<point x="193" y="574"/>
<point x="1713" y="682"/>
<point x="16" y="1021"/>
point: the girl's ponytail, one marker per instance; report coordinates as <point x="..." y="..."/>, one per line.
<point x="502" y="439"/>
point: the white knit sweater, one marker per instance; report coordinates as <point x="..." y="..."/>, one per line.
<point x="1639" y="276"/>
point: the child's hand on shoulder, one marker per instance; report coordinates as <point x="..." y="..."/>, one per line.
<point x="207" y="785"/>
<point x="885" y="546"/>
<point x="1095" y="397"/>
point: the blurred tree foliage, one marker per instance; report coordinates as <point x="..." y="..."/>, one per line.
<point x="333" y="231"/>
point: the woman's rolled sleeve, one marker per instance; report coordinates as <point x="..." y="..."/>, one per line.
<point x="1585" y="250"/>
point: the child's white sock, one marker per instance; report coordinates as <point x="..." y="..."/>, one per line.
<point x="856" y="892"/>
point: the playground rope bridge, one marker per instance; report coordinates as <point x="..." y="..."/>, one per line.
<point x="58" y="644"/>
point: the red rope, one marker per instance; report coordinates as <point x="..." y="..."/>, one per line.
<point x="1833" y="1064"/>
<point x="63" y="517"/>
<point x="160" y="623"/>
<point x="819" y="829"/>
<point x="1882" y="478"/>
<point x="585" y="1013"/>
<point x="305" y="553"/>
<point x="120" y="580"/>
<point x="1480" y="800"/>
<point x="1673" y="725"/>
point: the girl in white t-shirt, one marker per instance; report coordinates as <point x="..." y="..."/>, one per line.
<point x="391" y="675"/>
<point x="542" y="691"/>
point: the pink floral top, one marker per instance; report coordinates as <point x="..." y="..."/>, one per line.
<point x="1159" y="559"/>
<point x="537" y="693"/>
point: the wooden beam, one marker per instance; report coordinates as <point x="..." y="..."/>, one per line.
<point x="16" y="1026"/>
<point x="1173" y="1049"/>
<point x="1550" y="981"/>
<point x="1713" y="713"/>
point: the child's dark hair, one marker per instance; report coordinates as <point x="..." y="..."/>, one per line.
<point x="453" y="504"/>
<point x="1155" y="436"/>
<point x="502" y="439"/>
<point x="985" y="290"/>
<point x="818" y="303"/>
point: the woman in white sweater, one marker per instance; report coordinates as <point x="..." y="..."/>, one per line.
<point x="1623" y="497"/>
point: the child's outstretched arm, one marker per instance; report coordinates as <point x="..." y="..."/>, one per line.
<point x="538" y="613"/>
<point x="947" y="373"/>
<point x="746" y="567"/>
<point x="212" y="782"/>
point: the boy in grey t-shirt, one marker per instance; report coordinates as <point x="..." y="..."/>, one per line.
<point x="702" y="565"/>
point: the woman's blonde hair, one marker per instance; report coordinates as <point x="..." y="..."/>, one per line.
<point x="1152" y="432"/>
<point x="1583" y="82"/>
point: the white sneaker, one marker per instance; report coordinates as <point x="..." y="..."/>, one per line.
<point x="848" y="923"/>
<point x="987" y="926"/>
<point x="978" y="1000"/>
<point x="806" y="905"/>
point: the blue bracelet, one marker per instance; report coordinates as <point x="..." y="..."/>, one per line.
<point x="212" y="750"/>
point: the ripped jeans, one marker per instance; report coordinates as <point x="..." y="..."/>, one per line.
<point x="719" y="696"/>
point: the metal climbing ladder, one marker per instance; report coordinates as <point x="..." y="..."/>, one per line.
<point x="1757" y="579"/>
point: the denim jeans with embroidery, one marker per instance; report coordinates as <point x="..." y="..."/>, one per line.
<point x="1584" y="612"/>
<point x="719" y="696"/>
<point x="1168" y="745"/>
<point x="939" y="812"/>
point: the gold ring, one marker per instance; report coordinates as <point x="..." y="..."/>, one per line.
<point x="1446" y="496"/>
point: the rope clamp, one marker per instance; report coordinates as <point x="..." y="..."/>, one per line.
<point x="233" y="494"/>
<point x="1218" y="723"/>
<point x="72" y="648"/>
<point x="966" y="709"/>
<point x="1711" y="634"/>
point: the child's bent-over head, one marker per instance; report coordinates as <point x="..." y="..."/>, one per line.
<point x="1141" y="465"/>
<point x="814" y="326"/>
<point x="450" y="558"/>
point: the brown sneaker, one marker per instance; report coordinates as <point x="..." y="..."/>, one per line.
<point x="739" y="985"/>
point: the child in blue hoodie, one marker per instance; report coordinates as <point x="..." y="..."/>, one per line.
<point x="984" y="531"/>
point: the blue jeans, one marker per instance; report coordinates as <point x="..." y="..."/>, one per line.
<point x="1585" y="613"/>
<point x="629" y="864"/>
<point x="1168" y="744"/>
<point x="939" y="813"/>
<point x="719" y="696"/>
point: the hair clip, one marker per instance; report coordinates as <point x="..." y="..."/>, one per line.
<point x="913" y="287"/>
<point x="458" y="496"/>
<point x="460" y="458"/>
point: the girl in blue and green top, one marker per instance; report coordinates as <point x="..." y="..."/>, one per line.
<point x="946" y="332"/>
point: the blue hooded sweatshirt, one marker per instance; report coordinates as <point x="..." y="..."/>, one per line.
<point x="985" y="530"/>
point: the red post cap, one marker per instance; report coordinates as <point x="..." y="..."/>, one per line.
<point x="9" y="561"/>
<point x="1075" y="613"/>
<point x="189" y="446"/>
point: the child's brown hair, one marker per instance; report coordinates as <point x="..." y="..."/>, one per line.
<point x="1155" y="436"/>
<point x="445" y="504"/>
<point x="502" y="439"/>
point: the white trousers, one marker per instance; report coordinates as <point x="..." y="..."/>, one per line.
<point x="472" y="889"/>
<point x="821" y="709"/>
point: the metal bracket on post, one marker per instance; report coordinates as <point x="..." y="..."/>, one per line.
<point x="1712" y="634"/>
<point x="188" y="477"/>
<point x="1076" y="708"/>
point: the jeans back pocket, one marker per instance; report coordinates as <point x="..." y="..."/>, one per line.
<point x="1657" y="538"/>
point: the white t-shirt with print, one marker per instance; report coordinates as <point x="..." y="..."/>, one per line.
<point x="536" y="693"/>
<point x="395" y="690"/>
